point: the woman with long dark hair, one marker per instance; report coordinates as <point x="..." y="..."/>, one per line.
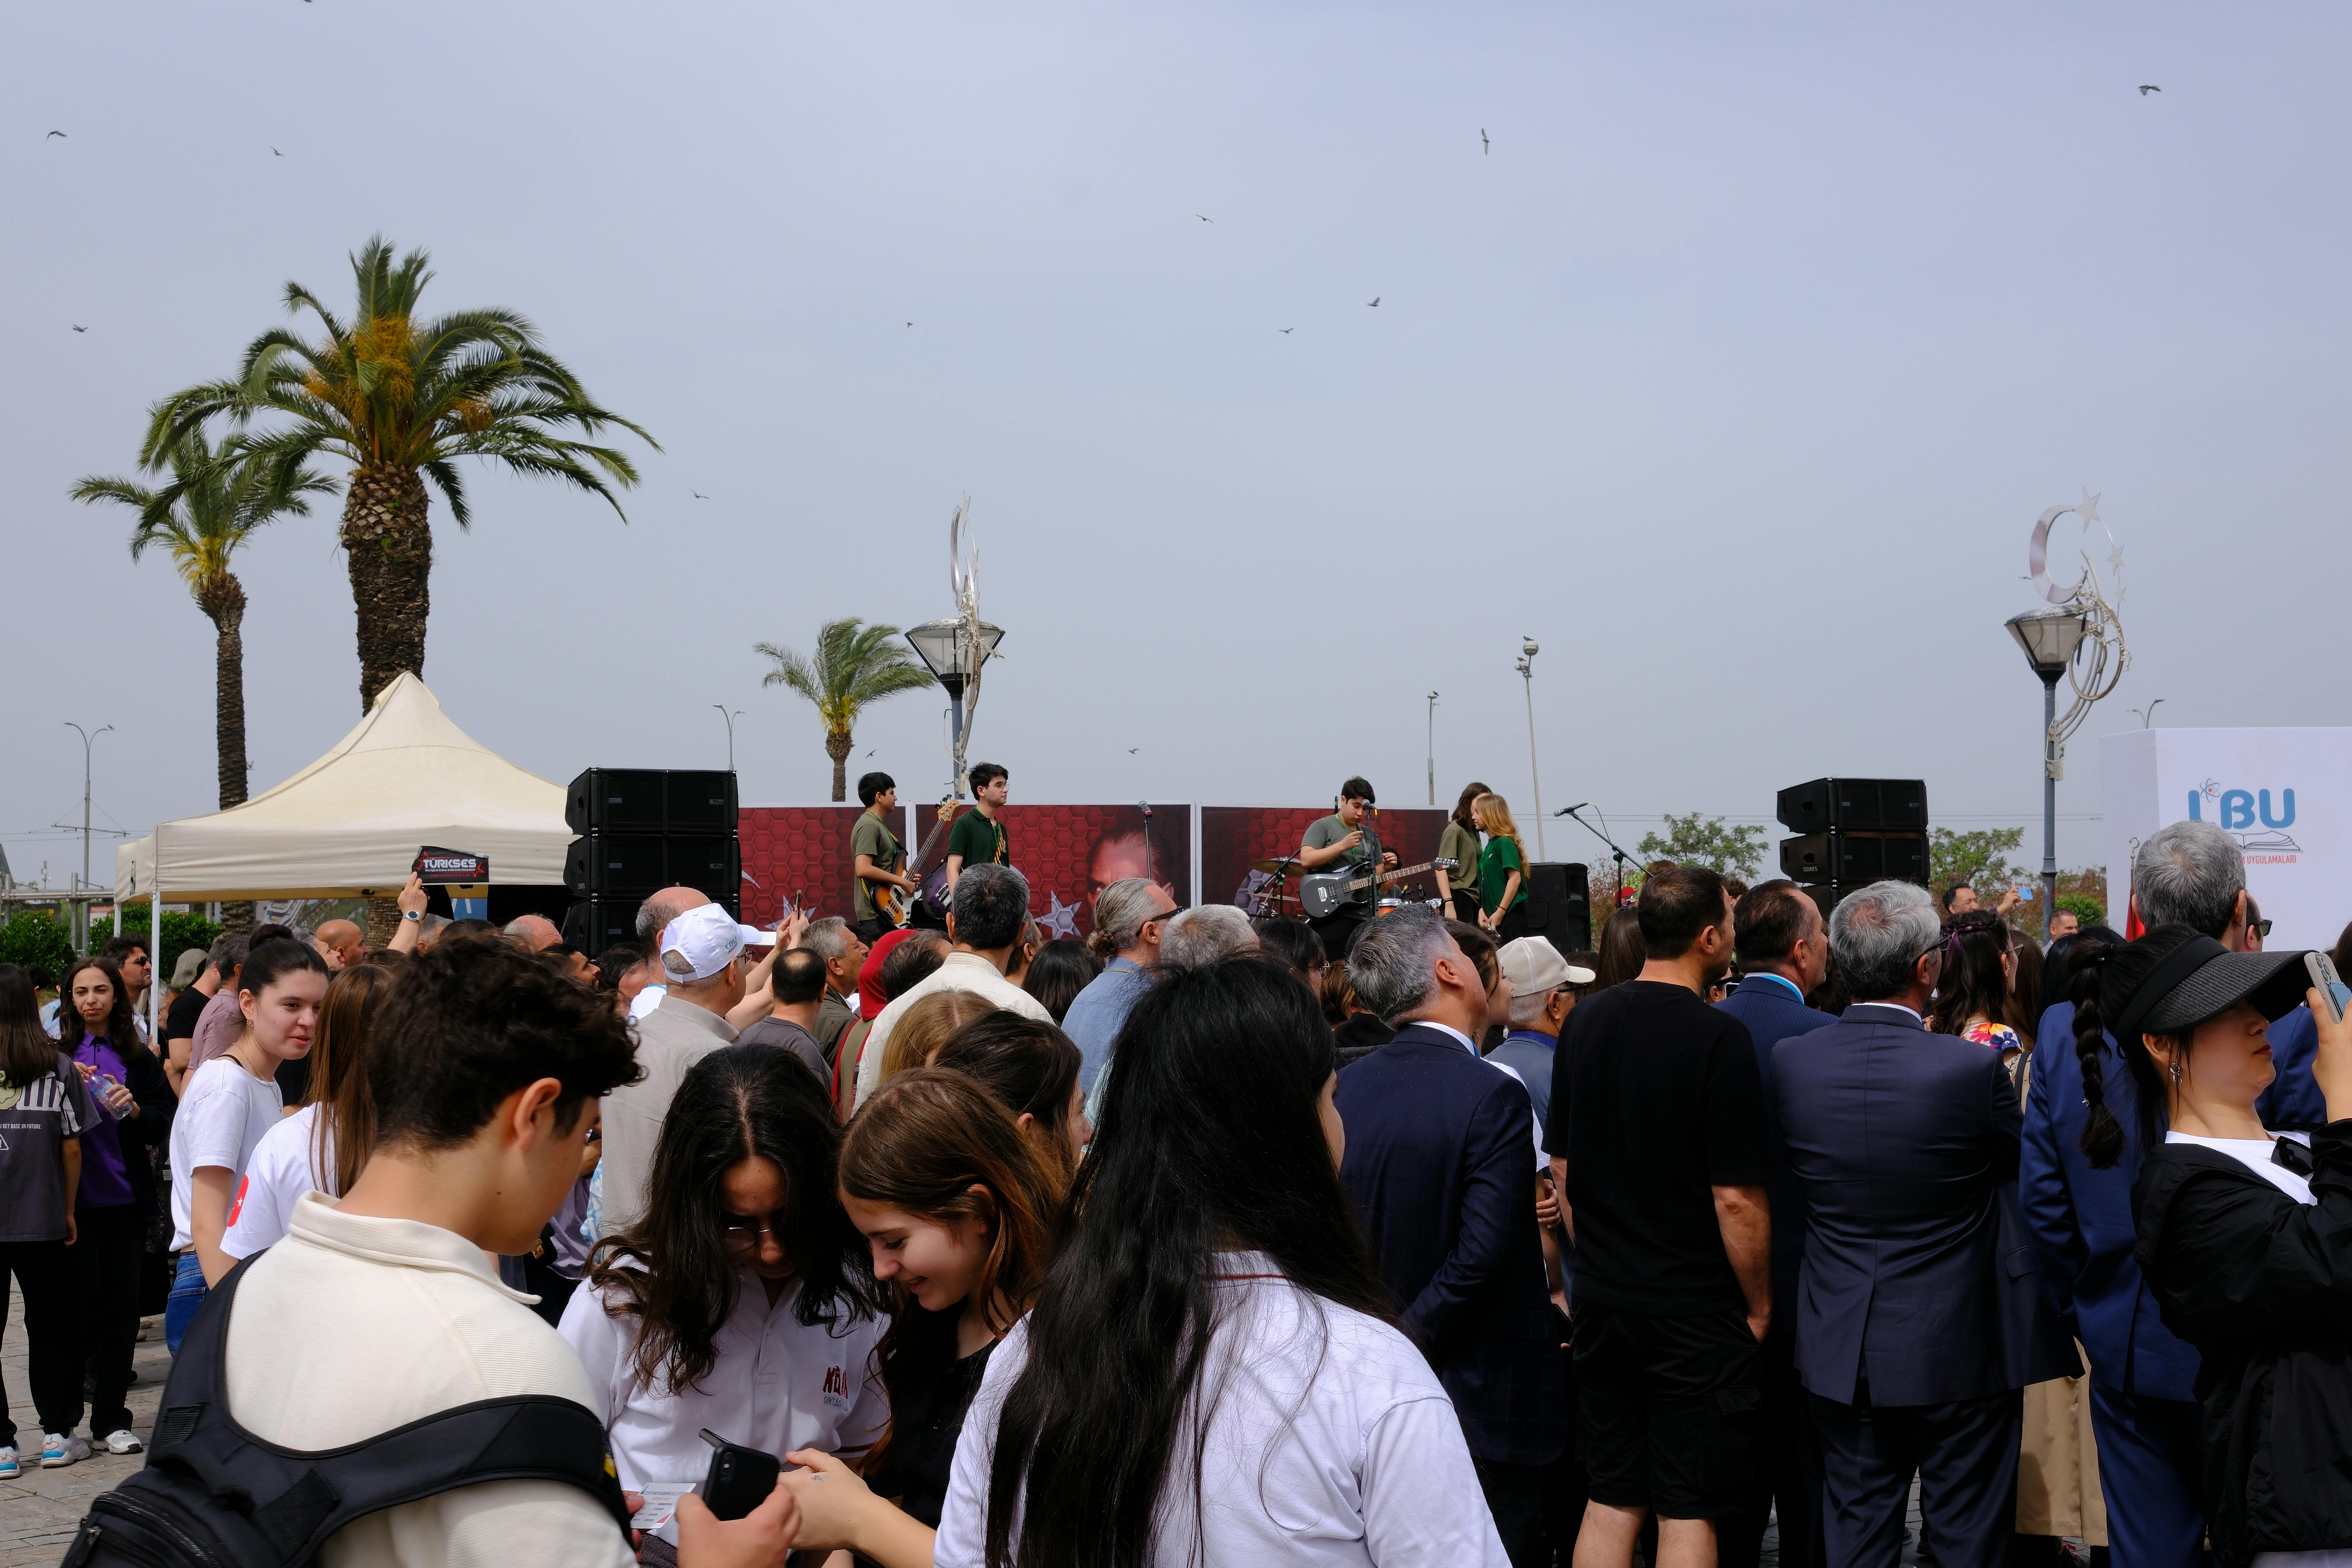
<point x="321" y="1147"/>
<point x="1031" y="1067"/>
<point x="1974" y="986"/>
<point x="2244" y="1233"/>
<point x="1213" y="1371"/>
<point x="1063" y="967"/>
<point x="132" y="1104"/>
<point x="959" y="1210"/>
<point x="737" y="1301"/>
<point x="1623" y="952"/>
<point x="1460" y="843"/>
<point x="43" y="1112"/>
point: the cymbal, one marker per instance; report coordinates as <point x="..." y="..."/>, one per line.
<point x="1275" y="867"/>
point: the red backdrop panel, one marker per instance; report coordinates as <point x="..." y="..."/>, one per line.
<point x="1070" y="853"/>
<point x="1234" y="836"/>
<point x="802" y="848"/>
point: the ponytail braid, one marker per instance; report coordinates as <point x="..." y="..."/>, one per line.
<point x="2102" y="1135"/>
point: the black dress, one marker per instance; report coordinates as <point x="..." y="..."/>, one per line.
<point x="2261" y="1286"/>
<point x="931" y="1388"/>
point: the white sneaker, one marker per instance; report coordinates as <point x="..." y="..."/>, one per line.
<point x="59" y="1451"/>
<point x="123" y="1440"/>
<point x="9" y="1469"/>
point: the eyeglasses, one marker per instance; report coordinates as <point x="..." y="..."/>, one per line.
<point x="742" y="1236"/>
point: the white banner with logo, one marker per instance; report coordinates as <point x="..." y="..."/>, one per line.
<point x="2285" y="794"/>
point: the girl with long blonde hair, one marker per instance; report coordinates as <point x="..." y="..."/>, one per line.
<point x="1502" y="868"/>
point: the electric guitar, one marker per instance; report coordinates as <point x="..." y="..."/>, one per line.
<point x="890" y="902"/>
<point x="1322" y="893"/>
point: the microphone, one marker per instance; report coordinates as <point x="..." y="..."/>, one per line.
<point x="1146" y="809"/>
<point x="1572" y="810"/>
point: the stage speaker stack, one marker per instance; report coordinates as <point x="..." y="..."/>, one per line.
<point x="1853" y="832"/>
<point x="1559" y="907"/>
<point x="641" y="830"/>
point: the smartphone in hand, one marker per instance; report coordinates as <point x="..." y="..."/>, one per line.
<point x="2324" y="979"/>
<point x="739" y="1479"/>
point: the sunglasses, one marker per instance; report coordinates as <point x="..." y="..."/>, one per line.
<point x="2261" y="928"/>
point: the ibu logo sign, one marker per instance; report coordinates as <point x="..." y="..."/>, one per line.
<point x="2260" y="817"/>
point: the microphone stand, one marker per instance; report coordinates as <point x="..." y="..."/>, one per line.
<point x="1571" y="810"/>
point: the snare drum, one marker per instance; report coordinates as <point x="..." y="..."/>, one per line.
<point x="1390" y="906"/>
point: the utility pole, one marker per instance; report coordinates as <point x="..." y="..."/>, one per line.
<point x="82" y="906"/>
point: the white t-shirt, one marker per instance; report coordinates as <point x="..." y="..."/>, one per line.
<point x="779" y="1385"/>
<point x="961" y="972"/>
<point x="646" y="1000"/>
<point x="223" y="1114"/>
<point x="281" y="1169"/>
<point x="350" y="1327"/>
<point x="2254" y="1153"/>
<point x="1329" y="1442"/>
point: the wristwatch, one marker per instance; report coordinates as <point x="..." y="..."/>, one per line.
<point x="412" y="914"/>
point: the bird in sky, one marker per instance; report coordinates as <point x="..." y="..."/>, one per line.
<point x="55" y="133"/>
<point x="1285" y="331"/>
<point x="910" y="323"/>
<point x="82" y="329"/>
<point x="1204" y="217"/>
<point x="2147" y="87"/>
<point x="695" y="493"/>
<point x="1484" y="145"/>
<point x="275" y="150"/>
<point x="1133" y="750"/>
<point x="1376" y="300"/>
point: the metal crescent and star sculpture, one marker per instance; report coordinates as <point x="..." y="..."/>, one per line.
<point x="2101" y="659"/>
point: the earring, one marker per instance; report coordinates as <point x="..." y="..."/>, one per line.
<point x="2176" y="1074"/>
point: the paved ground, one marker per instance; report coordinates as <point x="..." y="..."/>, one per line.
<point x="40" y="1508"/>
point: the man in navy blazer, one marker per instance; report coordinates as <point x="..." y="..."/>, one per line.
<point x="1443" y="1172"/>
<point x="1783" y="948"/>
<point x="1915" y="1282"/>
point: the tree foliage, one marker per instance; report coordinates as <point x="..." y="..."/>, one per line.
<point x="1979" y="858"/>
<point x="182" y="930"/>
<point x="853" y="665"/>
<point x="36" y="937"/>
<point x="1729" y="848"/>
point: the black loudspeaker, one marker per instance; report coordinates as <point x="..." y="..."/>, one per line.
<point x="593" y="925"/>
<point x="1850" y="859"/>
<point x="631" y="864"/>
<point x="651" y="800"/>
<point x="1848" y="805"/>
<point x="1558" y="906"/>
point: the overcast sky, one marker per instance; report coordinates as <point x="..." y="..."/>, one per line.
<point x="1735" y="373"/>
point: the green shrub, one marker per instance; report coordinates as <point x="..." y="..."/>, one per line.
<point x="181" y="933"/>
<point x="2084" y="908"/>
<point x="36" y="937"/>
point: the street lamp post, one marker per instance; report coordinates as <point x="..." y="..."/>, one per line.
<point x="950" y="651"/>
<point x="730" y="719"/>
<point x="1432" y="748"/>
<point x="1526" y="666"/>
<point x="81" y="907"/>
<point x="2049" y="639"/>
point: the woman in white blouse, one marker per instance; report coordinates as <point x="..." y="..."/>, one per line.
<point x="1213" y="1373"/>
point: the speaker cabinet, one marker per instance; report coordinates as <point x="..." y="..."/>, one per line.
<point x="651" y="800"/>
<point x="1851" y="859"/>
<point x="1848" y="805"/>
<point x="631" y="864"/>
<point x="1558" y="906"/>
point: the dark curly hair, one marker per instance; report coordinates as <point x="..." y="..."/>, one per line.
<point x="469" y="1023"/>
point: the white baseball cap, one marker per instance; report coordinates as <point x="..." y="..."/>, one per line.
<point x="703" y="940"/>
<point x="1535" y="965"/>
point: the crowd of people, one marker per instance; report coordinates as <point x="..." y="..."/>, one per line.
<point x="1396" y="1239"/>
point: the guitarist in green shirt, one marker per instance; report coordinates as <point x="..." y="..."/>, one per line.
<point x="978" y="837"/>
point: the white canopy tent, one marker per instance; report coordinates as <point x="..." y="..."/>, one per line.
<point x="351" y="824"/>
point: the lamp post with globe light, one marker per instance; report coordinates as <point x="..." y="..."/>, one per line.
<point x="2049" y="639"/>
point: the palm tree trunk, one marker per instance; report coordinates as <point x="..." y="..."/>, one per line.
<point x="837" y="747"/>
<point x="222" y="599"/>
<point x="388" y="544"/>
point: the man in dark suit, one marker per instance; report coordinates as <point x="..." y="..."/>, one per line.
<point x="1784" y="949"/>
<point x="1442" y="1169"/>
<point x="1915" y="1282"/>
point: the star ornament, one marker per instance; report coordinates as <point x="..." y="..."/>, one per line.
<point x="1061" y="918"/>
<point x="2088" y="508"/>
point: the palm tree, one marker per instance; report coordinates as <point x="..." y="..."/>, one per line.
<point x="853" y="665"/>
<point x="219" y="498"/>
<point x="401" y="397"/>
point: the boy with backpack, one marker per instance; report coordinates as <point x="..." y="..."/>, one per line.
<point x="378" y="1328"/>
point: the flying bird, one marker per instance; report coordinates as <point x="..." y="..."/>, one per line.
<point x="1285" y="331"/>
<point x="695" y="493"/>
<point x="277" y="152"/>
<point x="1484" y="145"/>
<point x="82" y="329"/>
<point x="1376" y="300"/>
<point x="55" y="133"/>
<point x="1204" y="217"/>
<point x="910" y="323"/>
<point x="1133" y="750"/>
<point x="2147" y="87"/>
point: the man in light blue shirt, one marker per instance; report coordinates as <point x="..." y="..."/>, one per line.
<point x="1543" y="990"/>
<point x="1129" y="919"/>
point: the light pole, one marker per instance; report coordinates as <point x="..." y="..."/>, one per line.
<point x="1526" y="666"/>
<point x="950" y="652"/>
<point x="81" y="907"/>
<point x="1432" y="748"/>
<point x="2049" y="639"/>
<point x="730" y="719"/>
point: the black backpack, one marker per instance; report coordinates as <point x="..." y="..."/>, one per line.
<point x="212" y="1495"/>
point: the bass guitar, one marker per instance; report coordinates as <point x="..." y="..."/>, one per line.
<point x="1322" y="893"/>
<point x="891" y="903"/>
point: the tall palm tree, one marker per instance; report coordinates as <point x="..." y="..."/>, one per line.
<point x="401" y="397"/>
<point x="853" y="665"/>
<point x="219" y="498"/>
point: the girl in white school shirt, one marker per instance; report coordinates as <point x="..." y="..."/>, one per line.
<point x="1212" y="1372"/>
<point x="737" y="1302"/>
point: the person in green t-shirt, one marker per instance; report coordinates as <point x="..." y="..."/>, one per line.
<point x="876" y="856"/>
<point x="1502" y="868"/>
<point x="1459" y="842"/>
<point x="977" y="838"/>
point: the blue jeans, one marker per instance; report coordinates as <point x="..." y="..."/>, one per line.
<point x="188" y="1290"/>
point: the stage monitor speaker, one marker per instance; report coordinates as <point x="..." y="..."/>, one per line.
<point x="1848" y="806"/>
<point x="651" y="800"/>
<point x="1851" y="859"/>
<point x="1560" y="906"/>
<point x="631" y="864"/>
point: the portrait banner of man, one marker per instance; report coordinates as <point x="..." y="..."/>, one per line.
<point x="1070" y="853"/>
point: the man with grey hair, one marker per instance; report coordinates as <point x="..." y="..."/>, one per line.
<point x="984" y="921"/>
<point x="1915" y="1330"/>
<point x="1205" y="934"/>
<point x="832" y="940"/>
<point x="1437" y="1161"/>
<point x="2143" y="1379"/>
<point x="1130" y="920"/>
<point x="656" y="911"/>
<point x="532" y="933"/>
